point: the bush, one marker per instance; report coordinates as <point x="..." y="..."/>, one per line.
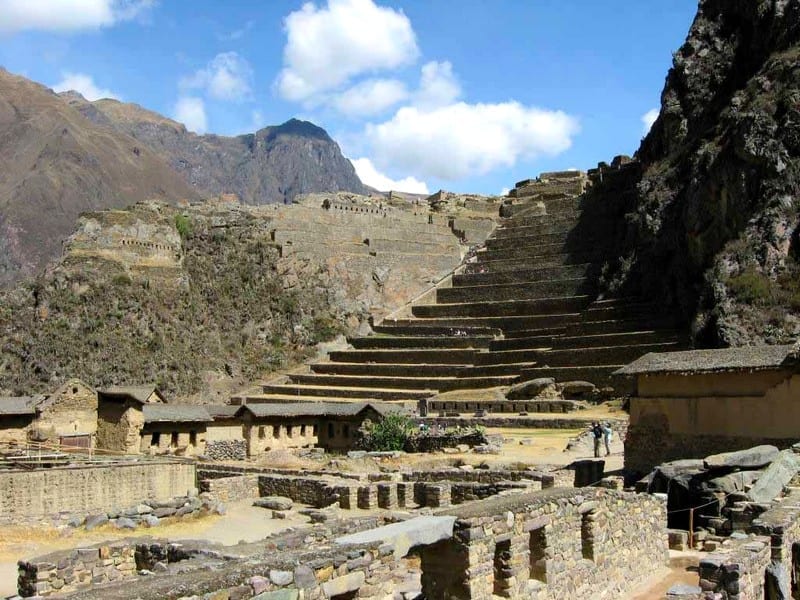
<point x="388" y="434"/>
<point x="184" y="226"/>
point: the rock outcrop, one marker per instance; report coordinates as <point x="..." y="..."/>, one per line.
<point x="709" y="222"/>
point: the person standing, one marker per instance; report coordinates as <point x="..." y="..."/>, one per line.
<point x="607" y="433"/>
<point x="597" y="433"/>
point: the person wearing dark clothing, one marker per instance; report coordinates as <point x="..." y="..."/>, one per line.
<point x="597" y="434"/>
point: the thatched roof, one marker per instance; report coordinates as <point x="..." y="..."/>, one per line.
<point x="745" y="358"/>
<point x="315" y="409"/>
<point x="20" y="405"/>
<point x="175" y="413"/>
<point x="137" y="393"/>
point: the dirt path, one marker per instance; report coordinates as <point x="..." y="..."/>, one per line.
<point x="682" y="569"/>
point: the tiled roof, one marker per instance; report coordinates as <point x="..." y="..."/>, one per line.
<point x="745" y="358"/>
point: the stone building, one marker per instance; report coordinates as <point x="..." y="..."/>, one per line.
<point x="329" y="425"/>
<point x="700" y="402"/>
<point x="120" y="418"/>
<point x="178" y="429"/>
<point x="225" y="439"/>
<point x="67" y="417"/>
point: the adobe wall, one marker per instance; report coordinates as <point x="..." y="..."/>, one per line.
<point x="670" y="428"/>
<point x="675" y="385"/>
<point x="262" y="436"/>
<point x="553" y="544"/>
<point x="85" y="489"/>
<point x="231" y="489"/>
<point x="181" y="439"/>
<point x="118" y="426"/>
<point x="71" y="411"/>
<point x="14" y="428"/>
<point x="504" y="406"/>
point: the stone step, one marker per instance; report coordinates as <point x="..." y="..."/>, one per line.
<point x="543" y="228"/>
<point x="308" y="386"/>
<point x="540" y="250"/>
<point x="539" y="332"/>
<point x="630" y="310"/>
<point x="294" y="399"/>
<point x="431" y="329"/>
<point x="403" y="384"/>
<point x="600" y="375"/>
<point x="516" y="291"/>
<point x="489" y="263"/>
<point x="526" y="240"/>
<point x="578" y="356"/>
<point x="585" y="341"/>
<point x="521" y="273"/>
<point x="601" y="326"/>
<point x="536" y="307"/>
<point x="386" y="342"/>
<point x="460" y="356"/>
<point x="417" y="370"/>
<point x="567" y="216"/>
<point x="506" y="323"/>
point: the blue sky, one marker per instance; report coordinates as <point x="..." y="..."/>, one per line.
<point x="467" y="96"/>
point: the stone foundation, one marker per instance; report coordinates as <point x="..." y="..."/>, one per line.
<point x="231" y="489"/>
<point x="226" y="450"/>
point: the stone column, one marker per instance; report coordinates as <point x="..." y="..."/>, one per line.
<point x="387" y="495"/>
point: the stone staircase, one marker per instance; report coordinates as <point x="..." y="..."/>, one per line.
<point x="524" y="307"/>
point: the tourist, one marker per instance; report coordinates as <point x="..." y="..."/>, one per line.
<point x="597" y="433"/>
<point x="607" y="437"/>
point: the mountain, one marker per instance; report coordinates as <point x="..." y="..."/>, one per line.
<point x="61" y="155"/>
<point x="55" y="164"/>
<point x="275" y="164"/>
<point x="710" y="223"/>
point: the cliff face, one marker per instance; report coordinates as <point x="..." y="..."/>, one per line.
<point x="711" y="221"/>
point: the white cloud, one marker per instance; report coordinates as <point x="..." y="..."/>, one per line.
<point x="504" y="191"/>
<point x="67" y="15"/>
<point x="370" y="97"/>
<point x="648" y="119"/>
<point x="227" y="77"/>
<point x="369" y="175"/>
<point x="84" y="85"/>
<point x="192" y="113"/>
<point x="326" y="46"/>
<point x="459" y="140"/>
<point x="438" y="86"/>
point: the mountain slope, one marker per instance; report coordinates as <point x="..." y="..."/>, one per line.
<point x="275" y="164"/>
<point x="54" y="164"/>
<point x="711" y="223"/>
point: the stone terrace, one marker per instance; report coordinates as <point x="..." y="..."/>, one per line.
<point x="524" y="306"/>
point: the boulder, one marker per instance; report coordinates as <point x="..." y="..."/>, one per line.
<point x="577" y="389"/>
<point x="683" y="590"/>
<point x="151" y="520"/>
<point x="93" y="521"/>
<point x="542" y="386"/>
<point x="124" y="523"/>
<point x="166" y="511"/>
<point x="776" y="582"/>
<point x="274" y="503"/>
<point x="775" y="477"/>
<point x="733" y="482"/>
<point x="752" y="458"/>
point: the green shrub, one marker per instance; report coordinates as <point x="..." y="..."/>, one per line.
<point x="388" y="434"/>
<point x="184" y="226"/>
<point x="752" y="287"/>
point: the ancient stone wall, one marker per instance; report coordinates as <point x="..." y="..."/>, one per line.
<point x="180" y="439"/>
<point x="226" y="450"/>
<point x="118" y="426"/>
<point x="265" y="435"/>
<point x="84" y="489"/>
<point x="515" y="422"/>
<point x="504" y="406"/>
<point x="69" y="411"/>
<point x="551" y="544"/>
<point x="305" y="490"/>
<point x="485" y="476"/>
<point x="739" y="572"/>
<point x="231" y="489"/>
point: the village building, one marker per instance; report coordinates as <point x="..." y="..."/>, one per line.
<point x="700" y="402"/>
<point x="120" y="418"/>
<point x="225" y="438"/>
<point x="329" y="425"/>
<point x="65" y="418"/>
<point x="176" y="429"/>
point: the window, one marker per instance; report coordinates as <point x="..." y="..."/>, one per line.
<point x="346" y="430"/>
<point x="262" y="433"/>
<point x="302" y="431"/>
<point x="316" y="430"/>
<point x="155" y="440"/>
<point x="74" y="390"/>
<point x="174" y="441"/>
<point x="289" y="430"/>
<point x="276" y="431"/>
<point x="193" y="438"/>
<point x="587" y="535"/>
<point x="330" y="430"/>
<point x="538" y="550"/>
